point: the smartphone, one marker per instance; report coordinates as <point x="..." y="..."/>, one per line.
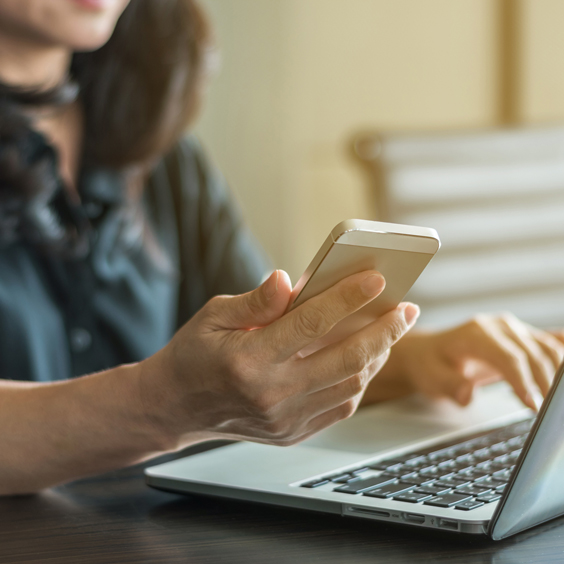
<point x="399" y="252"/>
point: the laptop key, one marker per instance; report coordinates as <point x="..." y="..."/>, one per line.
<point x="447" y="500"/>
<point x="315" y="483"/>
<point x="485" y="466"/>
<point x="448" y="465"/>
<point x="399" y="473"/>
<point x="453" y="481"/>
<point x="434" y="489"/>
<point x="345" y="478"/>
<point x="473" y="474"/>
<point x="502" y="475"/>
<point x="436" y="472"/>
<point x="473" y="489"/>
<point x="502" y="462"/>
<point x="419" y="462"/>
<point x="413" y="497"/>
<point x="360" y="470"/>
<point x="516" y="442"/>
<point x="468" y="505"/>
<point x="464" y="466"/>
<point x="388" y="465"/>
<point x="418" y="480"/>
<point x="483" y="454"/>
<point x="389" y="491"/>
<point x="488" y="498"/>
<point x="501" y="489"/>
<point x="500" y="448"/>
<point x="491" y="482"/>
<point x="363" y="485"/>
<point x="514" y="455"/>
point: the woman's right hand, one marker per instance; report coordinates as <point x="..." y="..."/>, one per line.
<point x="235" y="370"/>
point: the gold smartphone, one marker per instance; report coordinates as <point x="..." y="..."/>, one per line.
<point x="399" y="252"/>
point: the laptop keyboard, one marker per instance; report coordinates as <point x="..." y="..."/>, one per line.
<point x="461" y="475"/>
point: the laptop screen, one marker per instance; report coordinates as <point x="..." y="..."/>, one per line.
<point x="536" y="492"/>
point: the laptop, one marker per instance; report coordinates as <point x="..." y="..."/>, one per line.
<point x="491" y="469"/>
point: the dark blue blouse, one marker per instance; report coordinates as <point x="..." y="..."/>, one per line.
<point x="123" y="301"/>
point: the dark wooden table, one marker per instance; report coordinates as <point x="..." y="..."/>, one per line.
<point x="116" y="519"/>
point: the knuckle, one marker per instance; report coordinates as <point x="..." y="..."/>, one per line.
<point x="508" y="318"/>
<point x="394" y="332"/>
<point x="355" y="385"/>
<point x="354" y="359"/>
<point x="350" y="300"/>
<point x="278" y="430"/>
<point x="347" y="409"/>
<point x="311" y="322"/>
<point x="287" y="442"/>
<point x="478" y="323"/>
<point x="516" y="359"/>
<point x="214" y="305"/>
<point x="263" y="403"/>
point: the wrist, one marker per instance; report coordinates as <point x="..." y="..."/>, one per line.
<point x="164" y="408"/>
<point x="153" y="406"/>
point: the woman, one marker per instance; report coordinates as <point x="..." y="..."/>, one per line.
<point x="115" y="233"/>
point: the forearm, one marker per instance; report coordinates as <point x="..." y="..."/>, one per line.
<point x="55" y="432"/>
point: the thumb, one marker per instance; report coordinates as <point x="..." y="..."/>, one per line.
<point x="456" y="386"/>
<point x="254" y="309"/>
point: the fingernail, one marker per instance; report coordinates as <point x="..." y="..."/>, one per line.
<point x="271" y="285"/>
<point x="411" y="313"/>
<point x="372" y="285"/>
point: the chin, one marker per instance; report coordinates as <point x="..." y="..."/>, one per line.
<point x="90" y="40"/>
<point x="80" y="25"/>
<point x="90" y="23"/>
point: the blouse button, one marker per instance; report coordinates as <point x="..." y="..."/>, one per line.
<point x="93" y="210"/>
<point x="80" y="339"/>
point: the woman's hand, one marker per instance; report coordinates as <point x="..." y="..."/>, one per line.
<point x="452" y="362"/>
<point x="235" y="369"/>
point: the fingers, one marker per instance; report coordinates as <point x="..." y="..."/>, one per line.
<point x="328" y="418"/>
<point x="541" y="365"/>
<point x="551" y="345"/>
<point x="253" y="309"/>
<point x="558" y="335"/>
<point x="350" y="357"/>
<point x="316" y="317"/>
<point x="351" y="388"/>
<point x="489" y="342"/>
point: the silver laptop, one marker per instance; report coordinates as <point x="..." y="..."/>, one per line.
<point x="490" y="469"/>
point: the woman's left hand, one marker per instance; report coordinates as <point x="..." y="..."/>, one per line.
<point x="453" y="362"/>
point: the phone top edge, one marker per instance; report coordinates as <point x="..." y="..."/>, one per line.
<point x="360" y="232"/>
<point x="382" y="227"/>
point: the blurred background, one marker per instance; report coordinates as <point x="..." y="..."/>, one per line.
<point x="430" y="86"/>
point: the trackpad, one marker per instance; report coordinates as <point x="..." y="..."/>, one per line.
<point x="392" y="424"/>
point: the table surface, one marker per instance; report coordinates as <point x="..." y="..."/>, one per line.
<point x="115" y="518"/>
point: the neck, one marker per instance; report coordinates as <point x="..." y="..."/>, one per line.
<point x="31" y="64"/>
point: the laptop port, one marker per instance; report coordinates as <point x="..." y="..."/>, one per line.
<point x="367" y="511"/>
<point x="413" y="518"/>
<point x="448" y="524"/>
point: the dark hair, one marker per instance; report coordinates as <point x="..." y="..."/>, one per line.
<point x="139" y="93"/>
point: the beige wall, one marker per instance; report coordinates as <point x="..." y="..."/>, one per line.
<point x="542" y="83"/>
<point x="300" y="76"/>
